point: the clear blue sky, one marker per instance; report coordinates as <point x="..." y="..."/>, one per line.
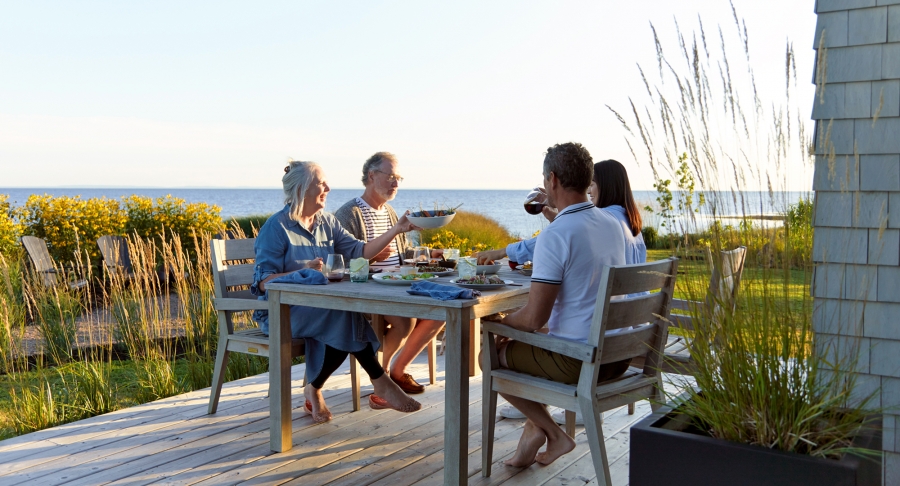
<point x="221" y="94"/>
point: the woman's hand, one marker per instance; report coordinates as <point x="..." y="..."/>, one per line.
<point x="315" y="264"/>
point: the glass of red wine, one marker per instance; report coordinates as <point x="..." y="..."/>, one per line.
<point x="532" y="205"/>
<point x="334" y="267"/>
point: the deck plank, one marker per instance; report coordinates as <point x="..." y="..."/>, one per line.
<point x="174" y="442"/>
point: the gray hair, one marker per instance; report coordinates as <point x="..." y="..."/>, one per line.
<point x="572" y="164"/>
<point x="297" y="180"/>
<point x="374" y="162"/>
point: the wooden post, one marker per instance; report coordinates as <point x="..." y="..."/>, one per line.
<point x="456" y="412"/>
<point x="280" y="438"/>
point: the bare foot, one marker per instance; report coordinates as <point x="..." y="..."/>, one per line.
<point x="532" y="439"/>
<point x="320" y="412"/>
<point x="395" y="397"/>
<point x="557" y="445"/>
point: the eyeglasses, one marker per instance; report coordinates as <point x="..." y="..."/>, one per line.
<point x="391" y="177"/>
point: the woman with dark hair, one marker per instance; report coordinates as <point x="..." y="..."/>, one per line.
<point x="611" y="191"/>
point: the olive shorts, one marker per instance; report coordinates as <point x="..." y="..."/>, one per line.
<point x="554" y="366"/>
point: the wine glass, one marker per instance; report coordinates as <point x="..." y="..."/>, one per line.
<point x="422" y="255"/>
<point x="535" y="201"/>
<point x="334" y="267"/>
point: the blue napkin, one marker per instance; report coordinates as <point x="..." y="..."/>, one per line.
<point x="441" y="292"/>
<point x="306" y="276"/>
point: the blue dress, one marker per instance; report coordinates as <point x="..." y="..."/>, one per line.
<point x="283" y="245"/>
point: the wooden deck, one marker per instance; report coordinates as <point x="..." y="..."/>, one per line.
<point x="174" y="441"/>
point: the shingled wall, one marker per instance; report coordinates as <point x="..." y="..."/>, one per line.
<point x="856" y="249"/>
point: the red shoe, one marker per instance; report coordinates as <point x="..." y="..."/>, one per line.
<point x="378" y="403"/>
<point x="308" y="406"/>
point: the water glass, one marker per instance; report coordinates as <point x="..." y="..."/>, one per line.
<point x="451" y="254"/>
<point x="359" y="270"/>
<point x="334" y="267"/>
<point x="408" y="270"/>
<point x="466" y="267"/>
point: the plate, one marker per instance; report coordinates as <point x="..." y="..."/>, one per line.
<point x="445" y="271"/>
<point x="487" y="269"/>
<point x="426" y="222"/>
<point x="380" y="278"/>
<point x="483" y="286"/>
<point x="524" y="271"/>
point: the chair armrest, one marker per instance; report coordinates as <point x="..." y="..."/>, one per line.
<point x="572" y="349"/>
<point x="231" y="304"/>
<point x="686" y="305"/>
<point x="683" y="322"/>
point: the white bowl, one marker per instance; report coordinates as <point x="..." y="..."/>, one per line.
<point x="432" y="222"/>
<point x="488" y="269"/>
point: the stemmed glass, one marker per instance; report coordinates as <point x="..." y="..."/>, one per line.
<point x="334" y="267"/>
<point x="422" y="255"/>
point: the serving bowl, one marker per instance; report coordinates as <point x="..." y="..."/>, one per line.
<point x="488" y="269"/>
<point x="431" y="222"/>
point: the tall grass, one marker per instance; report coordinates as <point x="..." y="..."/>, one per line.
<point x="469" y="232"/>
<point x="759" y="378"/>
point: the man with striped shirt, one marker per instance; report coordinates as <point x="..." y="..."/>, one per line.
<point x="367" y="217"/>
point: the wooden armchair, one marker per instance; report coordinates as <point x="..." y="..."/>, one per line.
<point x="116" y="257"/>
<point x="232" y="276"/>
<point x="648" y="312"/>
<point x="43" y="263"/>
<point x="724" y="284"/>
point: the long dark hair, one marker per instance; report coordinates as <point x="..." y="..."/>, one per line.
<point x="615" y="190"/>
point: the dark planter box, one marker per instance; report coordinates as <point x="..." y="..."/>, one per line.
<point x="664" y="451"/>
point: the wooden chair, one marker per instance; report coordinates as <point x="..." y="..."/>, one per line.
<point x="43" y="263"/>
<point x="232" y="276"/>
<point x="649" y="313"/>
<point x="724" y="284"/>
<point x="116" y="257"/>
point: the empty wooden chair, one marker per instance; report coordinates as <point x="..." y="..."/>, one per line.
<point x="724" y="284"/>
<point x="232" y="276"/>
<point x="43" y="263"/>
<point x="116" y="257"/>
<point x="642" y="343"/>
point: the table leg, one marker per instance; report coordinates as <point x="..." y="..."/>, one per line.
<point x="456" y="401"/>
<point x="280" y="437"/>
<point x="474" y="346"/>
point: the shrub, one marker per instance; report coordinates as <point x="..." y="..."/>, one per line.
<point x="170" y="215"/>
<point x="10" y="229"/>
<point x="470" y="232"/>
<point x="71" y="225"/>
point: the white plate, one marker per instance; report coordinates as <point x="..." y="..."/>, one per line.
<point x="432" y="222"/>
<point x="380" y="278"/>
<point x="488" y="269"/>
<point x="524" y="271"/>
<point x="483" y="286"/>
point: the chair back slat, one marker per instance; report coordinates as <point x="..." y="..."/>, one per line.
<point x="640" y="277"/>
<point x="40" y="255"/>
<point x="629" y="343"/>
<point x="633" y="311"/>
<point x="238" y="275"/>
<point x="114" y="250"/>
<point x="238" y="249"/>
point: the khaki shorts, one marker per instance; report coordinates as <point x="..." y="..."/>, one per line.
<point x="554" y="366"/>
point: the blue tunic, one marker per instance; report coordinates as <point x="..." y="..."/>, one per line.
<point x="283" y="245"/>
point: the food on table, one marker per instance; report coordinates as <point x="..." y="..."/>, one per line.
<point x="481" y="280"/>
<point x="432" y="269"/>
<point x="415" y="276"/>
<point x="527" y="266"/>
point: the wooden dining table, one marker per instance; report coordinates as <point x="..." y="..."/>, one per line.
<point x="462" y="343"/>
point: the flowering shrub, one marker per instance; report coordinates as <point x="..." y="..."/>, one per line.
<point x="10" y="229"/>
<point x="72" y="225"/>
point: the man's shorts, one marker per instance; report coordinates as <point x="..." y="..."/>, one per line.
<point x="554" y="366"/>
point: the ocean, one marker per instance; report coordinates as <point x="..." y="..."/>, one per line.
<point x="505" y="206"/>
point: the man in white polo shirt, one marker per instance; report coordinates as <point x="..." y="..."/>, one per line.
<point x="568" y="259"/>
<point x="367" y="217"/>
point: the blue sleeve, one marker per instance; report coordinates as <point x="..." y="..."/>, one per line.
<point x="271" y="246"/>
<point x="521" y="251"/>
<point x="345" y="243"/>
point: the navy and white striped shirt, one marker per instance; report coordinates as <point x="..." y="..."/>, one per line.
<point x="378" y="221"/>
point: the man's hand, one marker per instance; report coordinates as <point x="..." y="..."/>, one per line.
<point x="488" y="257"/>
<point x="550" y="213"/>
<point x="405" y="225"/>
<point x="315" y="264"/>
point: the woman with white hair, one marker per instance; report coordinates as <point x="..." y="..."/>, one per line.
<point x="300" y="236"/>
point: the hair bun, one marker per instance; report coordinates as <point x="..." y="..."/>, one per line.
<point x="287" y="169"/>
